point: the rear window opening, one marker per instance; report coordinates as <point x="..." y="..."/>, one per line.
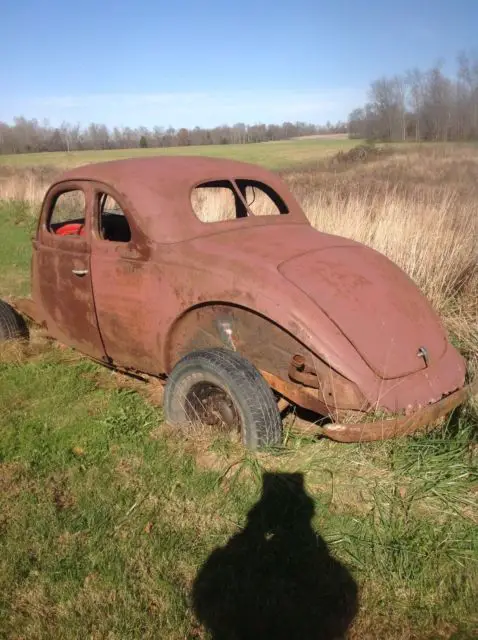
<point x="261" y="200"/>
<point x="218" y="200"/>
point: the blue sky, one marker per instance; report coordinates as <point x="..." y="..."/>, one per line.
<point x="187" y="63"/>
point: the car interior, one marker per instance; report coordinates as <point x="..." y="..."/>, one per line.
<point x="113" y="223"/>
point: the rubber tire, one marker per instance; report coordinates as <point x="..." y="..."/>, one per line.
<point x="253" y="399"/>
<point x="12" y="325"/>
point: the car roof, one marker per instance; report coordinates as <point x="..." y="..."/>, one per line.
<point x="162" y="185"/>
<point x="162" y="172"/>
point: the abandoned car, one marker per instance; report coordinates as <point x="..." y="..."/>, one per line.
<point x="207" y="274"/>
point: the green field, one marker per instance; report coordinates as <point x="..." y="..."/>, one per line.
<point x="109" y="521"/>
<point x="276" y="155"/>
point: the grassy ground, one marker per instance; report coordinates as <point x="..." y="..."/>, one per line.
<point x="275" y="155"/>
<point x="108" y="520"/>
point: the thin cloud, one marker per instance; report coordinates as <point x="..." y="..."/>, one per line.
<point x="130" y="99"/>
<point x="194" y="108"/>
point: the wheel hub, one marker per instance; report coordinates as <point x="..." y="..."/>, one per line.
<point x="209" y="404"/>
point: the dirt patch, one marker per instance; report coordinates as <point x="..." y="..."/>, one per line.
<point x="12" y="479"/>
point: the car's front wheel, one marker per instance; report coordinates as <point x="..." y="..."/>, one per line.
<point x="220" y="388"/>
<point x="12" y="325"/>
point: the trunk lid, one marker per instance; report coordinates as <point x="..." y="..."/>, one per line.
<point x="375" y="305"/>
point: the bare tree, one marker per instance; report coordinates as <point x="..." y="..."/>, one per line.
<point x="468" y="84"/>
<point x="415" y="82"/>
<point x="438" y="104"/>
<point x="28" y="135"/>
<point x="425" y="105"/>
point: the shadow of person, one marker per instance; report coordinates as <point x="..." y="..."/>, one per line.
<point x="276" y="578"/>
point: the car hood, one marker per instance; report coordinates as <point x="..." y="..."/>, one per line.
<point x="374" y="304"/>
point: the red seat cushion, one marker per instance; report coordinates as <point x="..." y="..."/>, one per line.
<point x="71" y="229"/>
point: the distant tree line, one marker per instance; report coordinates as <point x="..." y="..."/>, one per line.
<point x="27" y="136"/>
<point x="421" y="105"/>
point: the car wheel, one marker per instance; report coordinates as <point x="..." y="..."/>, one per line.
<point x="222" y="389"/>
<point x="12" y="325"/>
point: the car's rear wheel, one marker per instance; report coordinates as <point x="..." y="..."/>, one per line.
<point x="223" y="390"/>
<point x="12" y="325"/>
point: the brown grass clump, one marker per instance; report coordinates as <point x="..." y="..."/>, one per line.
<point x="21" y="351"/>
<point x="13" y="351"/>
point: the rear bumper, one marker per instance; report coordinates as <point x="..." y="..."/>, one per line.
<point x="399" y="426"/>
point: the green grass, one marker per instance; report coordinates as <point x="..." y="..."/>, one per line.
<point x="275" y="155"/>
<point x="107" y="518"/>
<point x="17" y="226"/>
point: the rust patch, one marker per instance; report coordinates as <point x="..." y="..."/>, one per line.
<point x="395" y="427"/>
<point x="333" y="390"/>
<point x="303" y="396"/>
<point x="258" y="339"/>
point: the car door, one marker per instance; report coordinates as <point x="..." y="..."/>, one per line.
<point x="62" y="275"/>
<point x="123" y="282"/>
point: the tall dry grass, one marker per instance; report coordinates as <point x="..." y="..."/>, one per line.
<point x="25" y="185"/>
<point x="421" y="210"/>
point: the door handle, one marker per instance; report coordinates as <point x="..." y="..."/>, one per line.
<point x="80" y="272"/>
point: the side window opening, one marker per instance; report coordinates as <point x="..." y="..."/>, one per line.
<point x="113" y="225"/>
<point x="67" y="217"/>
<point x="217" y="201"/>
<point x="261" y="199"/>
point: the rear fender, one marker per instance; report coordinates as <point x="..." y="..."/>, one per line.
<point x="269" y="347"/>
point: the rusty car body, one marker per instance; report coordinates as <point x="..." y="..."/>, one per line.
<point x="331" y="325"/>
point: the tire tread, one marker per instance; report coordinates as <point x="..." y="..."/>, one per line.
<point x="12" y="325"/>
<point x="264" y="422"/>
